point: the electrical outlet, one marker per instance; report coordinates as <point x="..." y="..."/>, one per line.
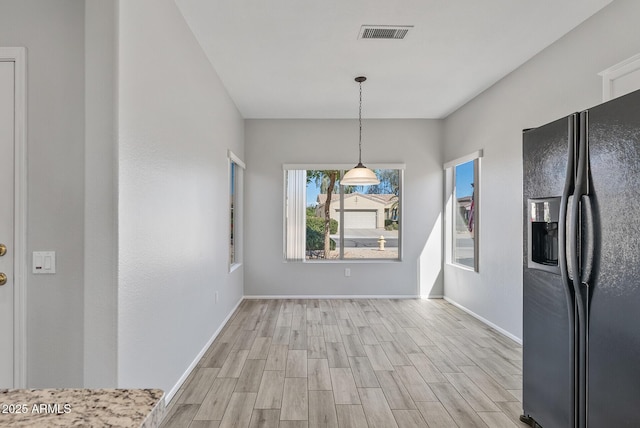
<point x="347" y="272"/>
<point x="216" y="297"/>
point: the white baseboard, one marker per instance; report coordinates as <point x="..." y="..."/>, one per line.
<point x="335" y="296"/>
<point x="484" y="320"/>
<point x="435" y="296"/>
<point x="185" y="375"/>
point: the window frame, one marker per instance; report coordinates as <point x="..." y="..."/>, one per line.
<point x="343" y="168"/>
<point x="236" y="212"/>
<point x="450" y="171"/>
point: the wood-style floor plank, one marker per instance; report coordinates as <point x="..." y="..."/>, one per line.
<point x="351" y="416"/>
<point x="199" y="386"/>
<point x="296" y="363"/>
<point x="218" y="355"/>
<point x="436" y="415"/>
<point x="239" y="410"/>
<point x="353" y="345"/>
<point x="395" y="354"/>
<point x="376" y="408"/>
<point x="322" y="409"/>
<point x="344" y="386"/>
<point x="316" y="347"/>
<point x="394" y="390"/>
<point x="415" y="384"/>
<point x="232" y="367"/>
<point x="216" y="400"/>
<point x="458" y="408"/>
<point x="496" y="420"/>
<point x="277" y="357"/>
<point x="336" y="355"/>
<point x="295" y="400"/>
<point x="409" y="419"/>
<point x="319" y="375"/>
<point x="265" y="418"/>
<point x="363" y="373"/>
<point x="181" y="416"/>
<point x="250" y="377"/>
<point x="204" y="424"/>
<point x="260" y="349"/>
<point x="300" y="363"/>
<point x="477" y="399"/>
<point x="270" y="390"/>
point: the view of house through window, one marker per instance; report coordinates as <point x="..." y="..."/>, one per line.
<point x="344" y="222"/>
<point x="464" y="214"/>
<point x="236" y="167"/>
<point x="232" y="199"/>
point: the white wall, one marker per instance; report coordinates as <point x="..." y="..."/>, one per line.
<point x="53" y="33"/>
<point x="558" y="81"/>
<point x="100" y="228"/>
<point x="270" y="143"/>
<point x="175" y="124"/>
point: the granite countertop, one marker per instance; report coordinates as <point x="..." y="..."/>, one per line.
<point x="139" y="408"/>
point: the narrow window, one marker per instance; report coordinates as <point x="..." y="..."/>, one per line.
<point x="464" y="197"/>
<point x="236" y="167"/>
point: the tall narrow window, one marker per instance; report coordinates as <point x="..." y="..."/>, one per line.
<point x="328" y="221"/>
<point x="236" y="167"/>
<point x="464" y="178"/>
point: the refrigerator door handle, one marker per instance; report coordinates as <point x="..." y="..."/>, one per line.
<point x="568" y="242"/>
<point x="587" y="242"/>
<point x="565" y="221"/>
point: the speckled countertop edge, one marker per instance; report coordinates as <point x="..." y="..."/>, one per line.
<point x="81" y="407"/>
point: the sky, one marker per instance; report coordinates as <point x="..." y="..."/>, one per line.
<point x="464" y="178"/>
<point x="312" y="193"/>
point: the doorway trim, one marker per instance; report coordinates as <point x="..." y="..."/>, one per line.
<point x="18" y="55"/>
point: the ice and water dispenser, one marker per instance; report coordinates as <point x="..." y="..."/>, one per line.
<point x="543" y="234"/>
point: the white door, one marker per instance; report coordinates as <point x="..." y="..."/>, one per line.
<point x="7" y="103"/>
<point x="359" y="219"/>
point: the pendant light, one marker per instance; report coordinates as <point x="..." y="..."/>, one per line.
<point x="360" y="175"/>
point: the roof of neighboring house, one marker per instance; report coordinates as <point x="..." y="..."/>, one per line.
<point x="383" y="199"/>
<point x="465" y="201"/>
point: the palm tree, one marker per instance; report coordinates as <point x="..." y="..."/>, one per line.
<point x="326" y="181"/>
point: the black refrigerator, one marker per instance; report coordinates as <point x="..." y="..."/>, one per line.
<point x="581" y="273"/>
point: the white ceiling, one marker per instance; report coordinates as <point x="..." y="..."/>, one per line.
<point x="298" y="58"/>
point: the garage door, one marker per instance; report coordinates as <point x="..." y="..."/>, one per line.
<point x="359" y="219"/>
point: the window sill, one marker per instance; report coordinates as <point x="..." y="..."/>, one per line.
<point x="462" y="267"/>
<point x="349" y="261"/>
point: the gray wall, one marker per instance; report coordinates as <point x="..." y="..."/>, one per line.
<point x="270" y="143"/>
<point x="53" y="33"/>
<point x="176" y="122"/>
<point x="100" y="231"/>
<point x="558" y="81"/>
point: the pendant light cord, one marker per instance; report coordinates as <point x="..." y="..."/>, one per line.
<point x="360" y="122"/>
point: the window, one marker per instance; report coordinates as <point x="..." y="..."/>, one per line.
<point x="236" y="167"/>
<point x="326" y="221"/>
<point x="463" y="176"/>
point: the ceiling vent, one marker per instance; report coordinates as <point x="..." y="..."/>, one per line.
<point x="384" y="31"/>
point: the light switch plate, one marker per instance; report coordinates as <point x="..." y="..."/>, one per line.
<point x="44" y="262"/>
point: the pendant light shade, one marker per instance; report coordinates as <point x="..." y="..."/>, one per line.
<point x="360" y="175"/>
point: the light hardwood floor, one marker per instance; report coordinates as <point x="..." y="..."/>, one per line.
<point x="353" y="363"/>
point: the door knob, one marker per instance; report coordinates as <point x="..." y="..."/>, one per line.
<point x="3" y="278"/>
<point x="3" y="250"/>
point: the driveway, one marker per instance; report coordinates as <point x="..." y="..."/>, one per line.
<point x="367" y="238"/>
